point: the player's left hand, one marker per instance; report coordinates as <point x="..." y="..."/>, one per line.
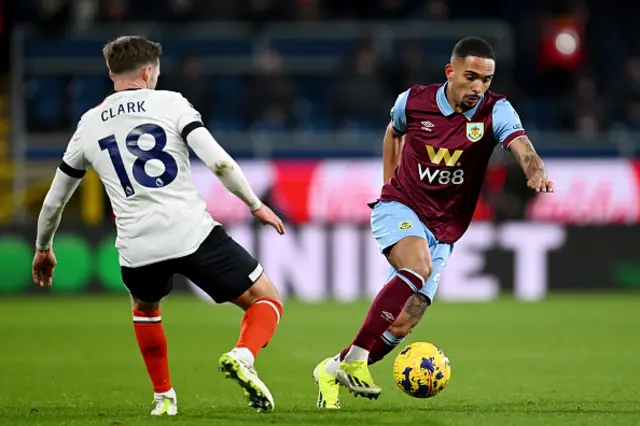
<point x="540" y="184"/>
<point x="44" y="263"/>
<point x="267" y="217"/>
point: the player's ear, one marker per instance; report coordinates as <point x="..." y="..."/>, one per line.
<point x="146" y="73"/>
<point x="448" y="71"/>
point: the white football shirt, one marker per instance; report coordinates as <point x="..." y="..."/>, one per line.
<point x="136" y="142"/>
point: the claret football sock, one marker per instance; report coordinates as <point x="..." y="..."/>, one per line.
<point x="153" y="347"/>
<point x="259" y="324"/>
<point x="384" y="310"/>
<point x="386" y="343"/>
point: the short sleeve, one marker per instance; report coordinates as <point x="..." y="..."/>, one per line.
<point x="398" y="114"/>
<point x="506" y="123"/>
<point x="74" y="163"/>
<point x="188" y="118"/>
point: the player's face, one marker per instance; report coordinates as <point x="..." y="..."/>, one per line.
<point x="469" y="79"/>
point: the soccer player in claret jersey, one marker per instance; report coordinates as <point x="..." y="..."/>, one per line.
<point x="137" y="140"/>
<point x="436" y="150"/>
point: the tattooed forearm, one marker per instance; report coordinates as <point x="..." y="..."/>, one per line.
<point x="526" y="155"/>
<point x="416" y="306"/>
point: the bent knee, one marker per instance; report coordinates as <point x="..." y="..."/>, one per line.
<point x="425" y="270"/>
<point x="420" y="266"/>
<point x="143" y="306"/>
<point x="262" y="289"/>
<point x="421" y="269"/>
<point x="413" y="254"/>
<point x="273" y="304"/>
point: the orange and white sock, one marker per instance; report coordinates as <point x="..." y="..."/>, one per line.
<point x="259" y="324"/>
<point x="153" y="347"/>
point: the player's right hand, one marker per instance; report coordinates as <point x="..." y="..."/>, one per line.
<point x="540" y="184"/>
<point x="44" y="263"/>
<point x="267" y="217"/>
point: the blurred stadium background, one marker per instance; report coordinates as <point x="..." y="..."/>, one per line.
<point x="299" y="91"/>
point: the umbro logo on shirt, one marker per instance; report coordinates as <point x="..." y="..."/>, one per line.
<point x="427" y="125"/>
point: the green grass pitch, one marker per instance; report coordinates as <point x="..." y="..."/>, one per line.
<point x="570" y="360"/>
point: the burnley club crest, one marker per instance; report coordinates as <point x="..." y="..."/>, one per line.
<point x="475" y="131"/>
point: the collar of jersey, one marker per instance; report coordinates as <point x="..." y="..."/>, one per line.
<point x="446" y="109"/>
<point x="113" y="92"/>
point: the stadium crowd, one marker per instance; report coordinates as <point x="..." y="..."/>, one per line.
<point x="595" y="88"/>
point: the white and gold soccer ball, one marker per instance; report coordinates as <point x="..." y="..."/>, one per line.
<point x="422" y="370"/>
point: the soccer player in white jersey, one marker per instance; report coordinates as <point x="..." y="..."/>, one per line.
<point x="137" y="141"/>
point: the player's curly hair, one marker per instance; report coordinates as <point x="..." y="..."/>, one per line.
<point x="473" y="46"/>
<point x="128" y="53"/>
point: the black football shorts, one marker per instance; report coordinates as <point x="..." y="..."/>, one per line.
<point x="221" y="267"/>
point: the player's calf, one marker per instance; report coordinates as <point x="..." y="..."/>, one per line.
<point x="409" y="317"/>
<point x="263" y="310"/>
<point x="412" y="260"/>
<point x="400" y="329"/>
<point x="152" y="341"/>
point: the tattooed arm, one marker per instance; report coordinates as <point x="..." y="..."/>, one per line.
<point x="531" y="164"/>
<point x="510" y="133"/>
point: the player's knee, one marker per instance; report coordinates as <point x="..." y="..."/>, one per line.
<point x="263" y="288"/>
<point x="274" y="304"/>
<point x="423" y="268"/>
<point x="412" y="253"/>
<point x="143" y="306"/>
<point x="266" y="293"/>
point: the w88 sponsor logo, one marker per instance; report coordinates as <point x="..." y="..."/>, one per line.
<point x="442" y="177"/>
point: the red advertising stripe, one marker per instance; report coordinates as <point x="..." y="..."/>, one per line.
<point x="291" y="188"/>
<point x="588" y="191"/>
<point x="636" y="169"/>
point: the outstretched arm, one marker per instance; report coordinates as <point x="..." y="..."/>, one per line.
<point x="189" y="121"/>
<point x="509" y="132"/>
<point x="230" y="174"/>
<point x="531" y="163"/>
<point x="223" y="166"/>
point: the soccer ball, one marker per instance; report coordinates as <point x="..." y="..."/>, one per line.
<point x="422" y="370"/>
